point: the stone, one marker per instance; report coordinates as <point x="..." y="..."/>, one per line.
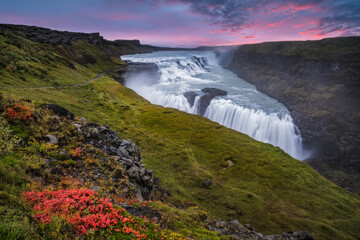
<point x="206" y="95"/>
<point x="60" y="111"/>
<point x="78" y="127"/>
<point x="141" y="171"/>
<point x="148" y="212"/>
<point x="305" y="235"/>
<point x="83" y="121"/>
<point x="122" y="152"/>
<point x="95" y="188"/>
<point x="94" y="132"/>
<point x="248" y="226"/>
<point x="234" y="222"/>
<point x="112" y="150"/>
<point x="207" y="182"/>
<point x="133" y="172"/>
<point x="259" y="235"/>
<point x="230" y="163"/>
<point x="146" y="180"/>
<point x="53" y="139"/>
<point x="221" y="224"/>
<point x="190" y="96"/>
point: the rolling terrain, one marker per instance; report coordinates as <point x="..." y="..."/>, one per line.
<point x="251" y="181"/>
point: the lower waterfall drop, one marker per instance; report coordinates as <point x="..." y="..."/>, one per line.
<point x="243" y="108"/>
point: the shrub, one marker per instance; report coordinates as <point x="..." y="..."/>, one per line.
<point x="90" y="215"/>
<point x="17" y="112"/>
<point x="7" y="140"/>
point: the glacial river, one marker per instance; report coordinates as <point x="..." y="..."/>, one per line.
<point x="243" y="108"/>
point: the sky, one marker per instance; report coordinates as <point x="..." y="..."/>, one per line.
<point x="191" y="23"/>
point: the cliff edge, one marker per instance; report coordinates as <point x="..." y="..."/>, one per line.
<point x="319" y="82"/>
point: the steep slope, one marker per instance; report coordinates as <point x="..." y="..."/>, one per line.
<point x="251" y="181"/>
<point x="319" y="83"/>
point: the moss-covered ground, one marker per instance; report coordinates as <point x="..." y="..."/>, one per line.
<point x="274" y="192"/>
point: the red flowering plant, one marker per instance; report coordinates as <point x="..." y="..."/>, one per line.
<point x="78" y="152"/>
<point x="90" y="214"/>
<point x="17" y="112"/>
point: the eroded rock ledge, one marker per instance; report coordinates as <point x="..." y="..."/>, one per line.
<point x="126" y="153"/>
<point x="206" y="95"/>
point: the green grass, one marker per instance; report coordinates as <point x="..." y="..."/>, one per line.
<point x="275" y="192"/>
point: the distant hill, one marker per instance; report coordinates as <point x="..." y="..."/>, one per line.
<point x="204" y="173"/>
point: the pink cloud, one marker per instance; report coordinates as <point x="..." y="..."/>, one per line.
<point x="292" y="8"/>
<point x="307" y="23"/>
<point x="276" y="24"/>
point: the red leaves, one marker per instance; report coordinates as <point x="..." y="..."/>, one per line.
<point x="78" y="151"/>
<point x="81" y="208"/>
<point x="17" y="112"/>
<point x="43" y="218"/>
<point x="88" y="213"/>
<point x="91" y="214"/>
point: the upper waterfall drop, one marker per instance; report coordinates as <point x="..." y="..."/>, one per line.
<point x="185" y="80"/>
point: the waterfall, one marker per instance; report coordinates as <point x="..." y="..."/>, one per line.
<point x="268" y="128"/>
<point x="243" y="108"/>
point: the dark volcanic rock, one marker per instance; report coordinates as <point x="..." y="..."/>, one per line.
<point x="207" y="183"/>
<point x="318" y="81"/>
<point x="141" y="179"/>
<point x="239" y="231"/>
<point x="206" y="95"/>
<point x="143" y="211"/>
<point x="60" y="111"/>
<point x="190" y="96"/>
<point x="214" y="91"/>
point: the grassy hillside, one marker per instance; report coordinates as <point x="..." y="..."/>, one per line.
<point x="273" y="191"/>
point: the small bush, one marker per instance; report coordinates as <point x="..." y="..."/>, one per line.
<point x="17" y="112"/>
<point x="7" y="140"/>
<point x="90" y="215"/>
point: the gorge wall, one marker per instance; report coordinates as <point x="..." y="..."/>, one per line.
<point x="319" y="82"/>
<point x="64" y="38"/>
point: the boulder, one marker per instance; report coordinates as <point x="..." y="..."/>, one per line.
<point x="206" y="95"/>
<point x="145" y="211"/>
<point x="53" y="139"/>
<point x="60" y="111"/>
<point x="207" y="182"/>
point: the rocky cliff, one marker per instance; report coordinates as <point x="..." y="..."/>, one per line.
<point x="319" y="82"/>
<point x="55" y="38"/>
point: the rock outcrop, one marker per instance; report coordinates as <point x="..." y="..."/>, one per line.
<point x="318" y="81"/>
<point x="206" y="95"/>
<point x="236" y="230"/>
<point x="58" y="110"/>
<point x="116" y="152"/>
<point x="141" y="179"/>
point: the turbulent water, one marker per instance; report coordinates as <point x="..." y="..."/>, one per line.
<point x="243" y="108"/>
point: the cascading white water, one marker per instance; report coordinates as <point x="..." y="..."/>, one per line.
<point x="243" y="109"/>
<point x="268" y="128"/>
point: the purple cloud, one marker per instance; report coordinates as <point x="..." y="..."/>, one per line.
<point x="191" y="22"/>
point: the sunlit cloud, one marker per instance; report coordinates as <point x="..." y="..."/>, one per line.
<point x="192" y="23"/>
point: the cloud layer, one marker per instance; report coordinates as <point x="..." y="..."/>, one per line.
<point x="192" y="22"/>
